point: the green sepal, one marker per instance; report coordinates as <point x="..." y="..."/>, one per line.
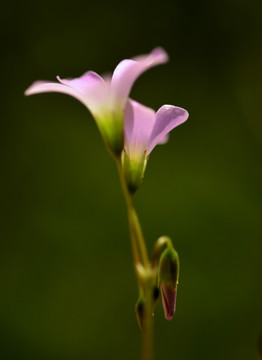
<point x="168" y="272"/>
<point x="134" y="169"/>
<point x="111" y="128"/>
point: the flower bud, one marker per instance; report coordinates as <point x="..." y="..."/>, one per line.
<point x="141" y="307"/>
<point x="168" y="280"/>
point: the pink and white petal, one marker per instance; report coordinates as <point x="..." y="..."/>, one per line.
<point x="90" y="89"/>
<point x="39" y="87"/>
<point x="138" y="125"/>
<point x="167" y="118"/>
<point x="127" y="71"/>
<point x="158" y="54"/>
<point x="85" y="83"/>
<point x="93" y="87"/>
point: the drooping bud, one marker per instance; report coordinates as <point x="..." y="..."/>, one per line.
<point x="168" y="280"/>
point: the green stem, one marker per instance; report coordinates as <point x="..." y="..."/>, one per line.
<point x="140" y="258"/>
<point x="161" y="242"/>
<point x="149" y="330"/>
<point x="135" y="227"/>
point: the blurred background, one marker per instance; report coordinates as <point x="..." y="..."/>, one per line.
<point x="66" y="275"/>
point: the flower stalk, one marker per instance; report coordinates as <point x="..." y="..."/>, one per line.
<point x="144" y="271"/>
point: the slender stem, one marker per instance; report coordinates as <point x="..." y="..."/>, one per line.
<point x="149" y="330"/>
<point x="140" y="237"/>
<point x="140" y="251"/>
<point x="135" y="227"/>
<point x="129" y="209"/>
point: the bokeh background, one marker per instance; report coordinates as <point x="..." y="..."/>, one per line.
<point x="66" y="276"/>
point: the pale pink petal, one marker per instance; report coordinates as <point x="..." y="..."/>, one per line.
<point x="39" y="87"/>
<point x="93" y="87"/>
<point x="138" y="125"/>
<point x="85" y="83"/>
<point x="90" y="89"/>
<point x="167" y="118"/>
<point x="163" y="140"/>
<point x="128" y="71"/>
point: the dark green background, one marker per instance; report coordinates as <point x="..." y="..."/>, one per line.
<point x="66" y="276"/>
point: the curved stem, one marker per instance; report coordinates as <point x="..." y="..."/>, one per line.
<point x="161" y="242"/>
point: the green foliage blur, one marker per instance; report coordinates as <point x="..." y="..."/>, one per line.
<point x="68" y="289"/>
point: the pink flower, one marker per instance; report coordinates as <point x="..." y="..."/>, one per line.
<point x="105" y="98"/>
<point x="144" y="129"/>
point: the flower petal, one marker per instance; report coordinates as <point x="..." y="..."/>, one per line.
<point x="85" y="83"/>
<point x="39" y="87"/>
<point x="127" y="71"/>
<point x="167" y="118"/>
<point x="168" y="301"/>
<point x="90" y="89"/>
<point x="163" y="140"/>
<point x="138" y="125"/>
